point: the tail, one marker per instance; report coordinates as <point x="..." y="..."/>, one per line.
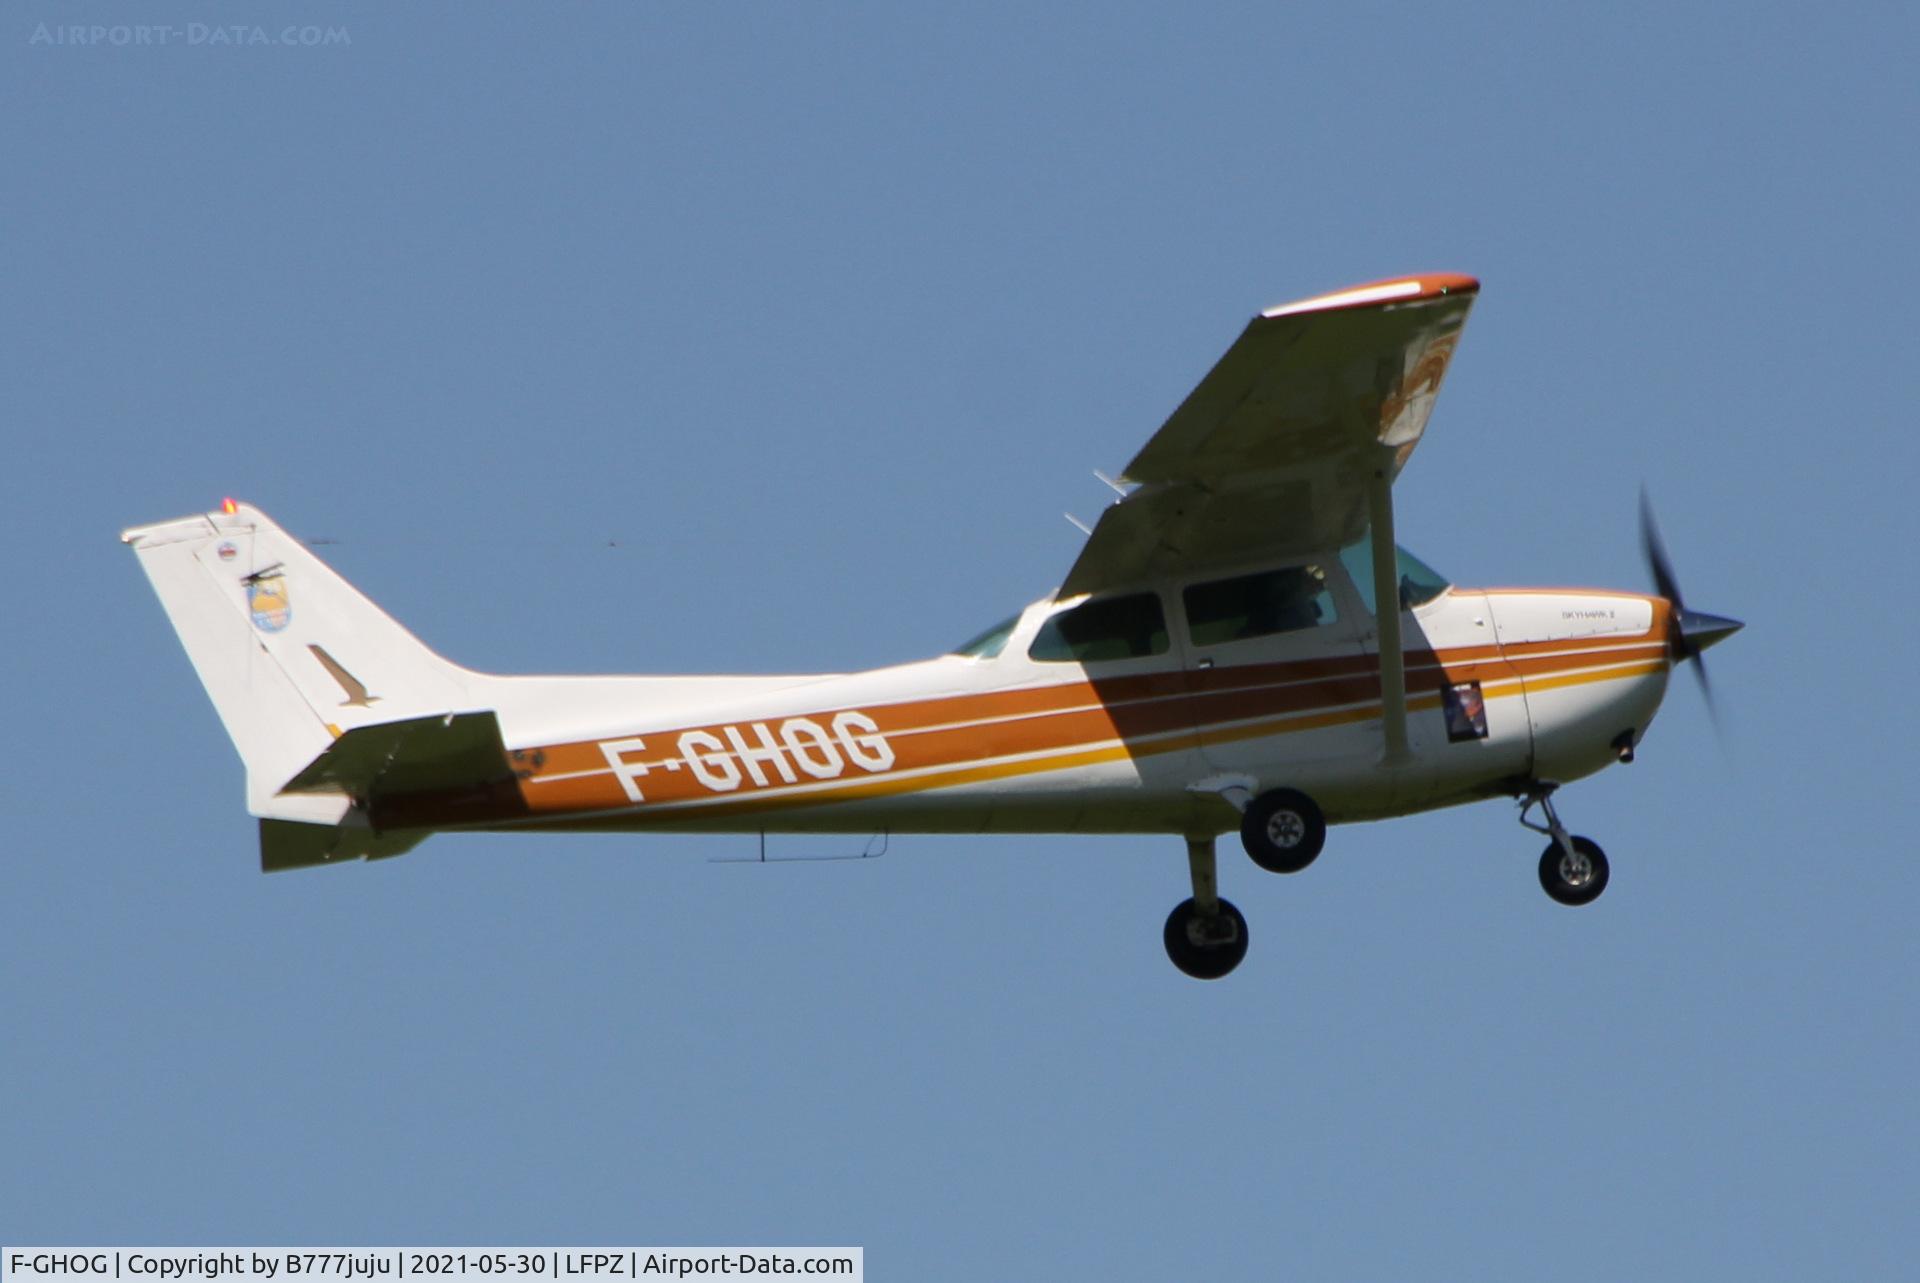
<point x="297" y="661"/>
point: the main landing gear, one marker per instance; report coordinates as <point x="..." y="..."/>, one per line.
<point x="1283" y="830"/>
<point x="1573" y="870"/>
<point x="1206" y="936"/>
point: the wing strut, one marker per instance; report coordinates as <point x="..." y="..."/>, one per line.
<point x="1386" y="610"/>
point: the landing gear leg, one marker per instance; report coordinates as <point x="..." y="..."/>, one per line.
<point x="1206" y="937"/>
<point x="1573" y="870"/>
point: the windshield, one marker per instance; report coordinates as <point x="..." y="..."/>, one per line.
<point x="1419" y="582"/>
<point x="989" y="643"/>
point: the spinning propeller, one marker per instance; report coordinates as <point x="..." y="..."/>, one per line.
<point x="1693" y="630"/>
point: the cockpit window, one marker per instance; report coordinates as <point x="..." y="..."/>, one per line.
<point x="990" y="643"/>
<point x="1130" y="627"/>
<point x="1419" y="582"/>
<point x="1273" y="601"/>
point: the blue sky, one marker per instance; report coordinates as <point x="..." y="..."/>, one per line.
<point x="749" y="338"/>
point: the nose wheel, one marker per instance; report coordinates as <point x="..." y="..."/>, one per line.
<point x="1577" y="877"/>
<point x="1573" y="870"/>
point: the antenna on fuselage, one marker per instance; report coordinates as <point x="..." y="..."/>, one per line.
<point x="871" y="851"/>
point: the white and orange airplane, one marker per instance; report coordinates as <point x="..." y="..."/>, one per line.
<point x="1215" y="661"/>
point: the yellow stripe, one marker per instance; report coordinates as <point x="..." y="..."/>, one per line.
<point x="891" y="786"/>
<point x="1604" y="675"/>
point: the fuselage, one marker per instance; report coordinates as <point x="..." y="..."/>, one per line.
<point x="1055" y="726"/>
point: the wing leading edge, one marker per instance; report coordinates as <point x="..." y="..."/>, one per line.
<point x="1274" y="452"/>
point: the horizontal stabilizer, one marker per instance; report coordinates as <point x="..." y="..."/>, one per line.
<point x="289" y="844"/>
<point x="420" y="754"/>
<point x="442" y="770"/>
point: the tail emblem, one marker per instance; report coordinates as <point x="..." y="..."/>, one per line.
<point x="267" y="599"/>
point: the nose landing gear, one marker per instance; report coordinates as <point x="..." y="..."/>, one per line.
<point x="1573" y="870"/>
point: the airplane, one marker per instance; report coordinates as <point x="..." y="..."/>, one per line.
<point x="1216" y="661"/>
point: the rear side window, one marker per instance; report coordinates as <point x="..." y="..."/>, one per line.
<point x="1131" y="627"/>
<point x="989" y="644"/>
<point x="1273" y="601"/>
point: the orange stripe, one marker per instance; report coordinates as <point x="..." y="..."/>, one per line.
<point x="889" y="786"/>
<point x="1044" y="722"/>
<point x="1150" y="703"/>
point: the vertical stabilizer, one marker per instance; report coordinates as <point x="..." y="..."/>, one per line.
<point x="292" y="655"/>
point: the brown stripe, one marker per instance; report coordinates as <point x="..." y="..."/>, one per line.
<point x="1242" y="703"/>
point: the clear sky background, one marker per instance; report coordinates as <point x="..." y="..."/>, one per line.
<point x="670" y="338"/>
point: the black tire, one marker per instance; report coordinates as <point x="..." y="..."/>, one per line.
<point x="1283" y="830"/>
<point x="1194" y="953"/>
<point x="1563" y="882"/>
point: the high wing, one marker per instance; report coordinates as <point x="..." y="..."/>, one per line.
<point x="1274" y="452"/>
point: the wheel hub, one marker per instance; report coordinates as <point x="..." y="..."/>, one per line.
<point x="1576" y="870"/>
<point x="1210" y="932"/>
<point x="1286" y="829"/>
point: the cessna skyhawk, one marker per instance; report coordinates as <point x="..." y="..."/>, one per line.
<point x="1240" y="647"/>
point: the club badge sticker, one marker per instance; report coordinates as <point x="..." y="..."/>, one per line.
<point x="267" y="599"/>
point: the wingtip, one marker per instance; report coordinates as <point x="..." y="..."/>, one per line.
<point x="1399" y="289"/>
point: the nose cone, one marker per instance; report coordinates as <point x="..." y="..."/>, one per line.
<point x="1700" y="630"/>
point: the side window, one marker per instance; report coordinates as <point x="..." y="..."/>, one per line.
<point x="1419" y="582"/>
<point x="989" y="644"/>
<point x="1273" y="601"/>
<point x="1130" y="627"/>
